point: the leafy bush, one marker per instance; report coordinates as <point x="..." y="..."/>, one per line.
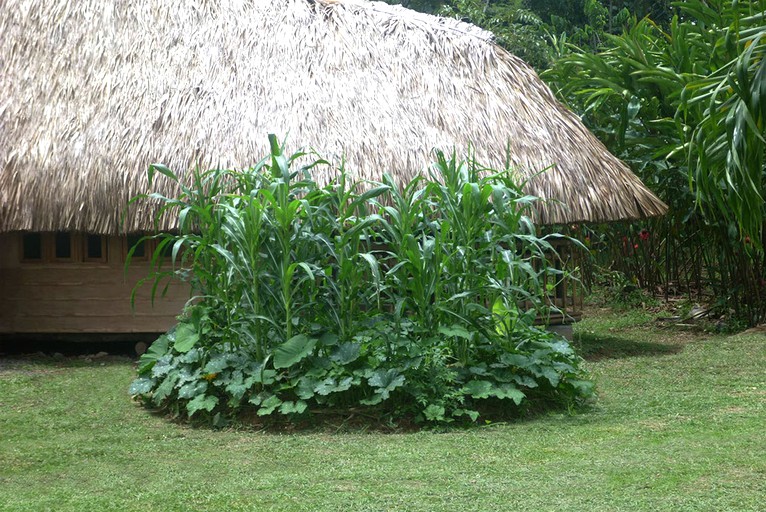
<point x="418" y="301"/>
<point x="683" y="106"/>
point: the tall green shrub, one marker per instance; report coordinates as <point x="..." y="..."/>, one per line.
<point x="683" y="107"/>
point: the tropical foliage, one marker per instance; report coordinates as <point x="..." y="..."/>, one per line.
<point x="538" y="31"/>
<point x="684" y="106"/>
<point x="419" y="301"/>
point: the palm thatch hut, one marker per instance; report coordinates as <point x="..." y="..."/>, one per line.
<point x="92" y="93"/>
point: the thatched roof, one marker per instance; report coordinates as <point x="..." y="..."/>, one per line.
<point x="93" y="92"/>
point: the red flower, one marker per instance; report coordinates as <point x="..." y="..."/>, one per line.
<point x="644" y="234"/>
<point x="635" y="246"/>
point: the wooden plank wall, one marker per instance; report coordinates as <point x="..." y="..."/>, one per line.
<point x="80" y="297"/>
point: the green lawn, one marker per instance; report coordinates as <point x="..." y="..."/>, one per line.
<point x="679" y="425"/>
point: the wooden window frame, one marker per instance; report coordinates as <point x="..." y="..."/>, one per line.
<point x="73" y="256"/>
<point x="104" y="249"/>
<point x="35" y="261"/>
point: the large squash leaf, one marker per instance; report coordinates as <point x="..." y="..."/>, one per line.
<point x="293" y="351"/>
<point x="186" y="338"/>
<point x="201" y="402"/>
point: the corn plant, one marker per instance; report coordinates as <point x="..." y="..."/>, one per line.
<point x="417" y="300"/>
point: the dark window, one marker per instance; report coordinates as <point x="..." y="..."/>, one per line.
<point x="32" y="246"/>
<point x="133" y="240"/>
<point x="63" y="246"/>
<point x="94" y="247"/>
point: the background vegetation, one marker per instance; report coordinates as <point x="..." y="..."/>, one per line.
<point x="540" y="30"/>
<point x="682" y="105"/>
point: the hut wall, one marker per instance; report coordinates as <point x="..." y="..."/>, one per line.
<point x="79" y="294"/>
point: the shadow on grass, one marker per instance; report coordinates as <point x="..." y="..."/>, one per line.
<point x="377" y="420"/>
<point x="31" y="364"/>
<point x="350" y="423"/>
<point x="594" y="347"/>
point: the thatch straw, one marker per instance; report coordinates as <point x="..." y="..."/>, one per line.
<point x="93" y="92"/>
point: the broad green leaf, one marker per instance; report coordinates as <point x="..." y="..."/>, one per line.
<point x="259" y="398"/>
<point x="155" y="351"/>
<point x="331" y="385"/>
<point x="525" y="380"/>
<point x="186" y="338"/>
<point x="290" y="407"/>
<point x="192" y="389"/>
<point x="237" y="390"/>
<point x="267" y="377"/>
<point x="456" y="330"/>
<point x="162" y="366"/>
<point x="141" y="386"/>
<point x="164" y="389"/>
<point x="552" y="375"/>
<point x="306" y="386"/>
<point x="478" y="388"/>
<point x="480" y="369"/>
<point x="192" y="356"/>
<point x="268" y="405"/>
<point x="562" y="347"/>
<point x="328" y="339"/>
<point x="216" y="364"/>
<point x="517" y="360"/>
<point x="293" y="351"/>
<point x="375" y="399"/>
<point x="474" y="415"/>
<point x="386" y="379"/>
<point x="506" y="390"/>
<point x="434" y="412"/>
<point x="346" y="353"/>
<point x="200" y="403"/>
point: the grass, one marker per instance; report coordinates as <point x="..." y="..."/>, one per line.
<point x="678" y="426"/>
